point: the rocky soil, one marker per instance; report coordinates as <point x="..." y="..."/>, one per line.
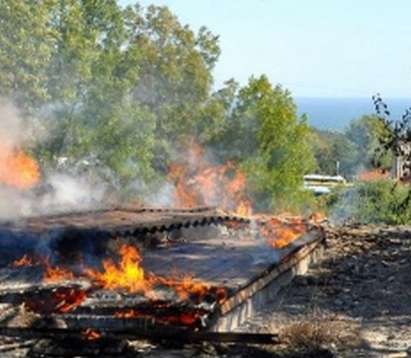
<point x="358" y="296"/>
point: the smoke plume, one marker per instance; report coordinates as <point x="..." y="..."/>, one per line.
<point x="24" y="189"/>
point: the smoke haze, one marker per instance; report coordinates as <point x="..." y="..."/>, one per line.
<point x="24" y="189"/>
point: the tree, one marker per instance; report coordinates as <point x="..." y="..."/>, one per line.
<point x="70" y="63"/>
<point x="175" y="72"/>
<point x="265" y="134"/>
<point x="214" y="117"/>
<point x="365" y="133"/>
<point x="123" y="87"/>
<point x="119" y="85"/>
<point x="26" y="48"/>
<point x="332" y="147"/>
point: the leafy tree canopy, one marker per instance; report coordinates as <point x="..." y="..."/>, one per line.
<point x="123" y="86"/>
<point x="366" y="132"/>
<point x="263" y="132"/>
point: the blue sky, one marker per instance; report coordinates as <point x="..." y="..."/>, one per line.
<point x="315" y="48"/>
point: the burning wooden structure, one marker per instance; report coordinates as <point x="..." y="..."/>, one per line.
<point x="125" y="273"/>
<point x="144" y="271"/>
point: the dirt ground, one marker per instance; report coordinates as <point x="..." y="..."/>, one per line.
<point x="358" y="295"/>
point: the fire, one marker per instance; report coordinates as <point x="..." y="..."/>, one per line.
<point x="188" y="318"/>
<point x="280" y="232"/>
<point x="199" y="182"/>
<point x="61" y="300"/>
<point x="18" y="169"/>
<point x="318" y="217"/>
<point x="68" y="299"/>
<point x="91" y="334"/>
<point x="127" y="274"/>
<point x="23" y="261"/>
<point x="56" y="274"/>
<point x="186" y="286"/>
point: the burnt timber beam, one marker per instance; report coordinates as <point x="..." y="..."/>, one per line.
<point x="271" y="274"/>
<point x="175" y="335"/>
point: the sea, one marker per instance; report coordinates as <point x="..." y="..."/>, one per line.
<point x="335" y="114"/>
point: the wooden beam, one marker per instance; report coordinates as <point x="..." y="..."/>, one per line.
<point x="275" y="271"/>
<point x="175" y="335"/>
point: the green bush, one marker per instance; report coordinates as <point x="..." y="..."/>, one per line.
<point x="373" y="202"/>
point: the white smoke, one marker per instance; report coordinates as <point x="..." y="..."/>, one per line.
<point x="163" y="196"/>
<point x="57" y="191"/>
<point x="11" y="126"/>
<point x="67" y="193"/>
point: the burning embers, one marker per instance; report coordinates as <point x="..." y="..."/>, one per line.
<point x="123" y="292"/>
<point x="280" y="231"/>
<point x="123" y="289"/>
<point x="127" y="280"/>
<point x="58" y="300"/>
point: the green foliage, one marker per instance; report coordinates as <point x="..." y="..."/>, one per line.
<point x="26" y="48"/>
<point x="365" y="133"/>
<point x="332" y="147"/>
<point x="373" y="202"/>
<point x="120" y="85"/>
<point x="124" y="87"/>
<point x="175" y="68"/>
<point x="91" y="77"/>
<point x="263" y="133"/>
<point x="215" y="117"/>
<point x="355" y="149"/>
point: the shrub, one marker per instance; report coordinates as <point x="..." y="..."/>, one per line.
<point x="382" y="201"/>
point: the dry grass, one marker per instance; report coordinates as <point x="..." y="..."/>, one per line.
<point x="317" y="331"/>
<point x="308" y="335"/>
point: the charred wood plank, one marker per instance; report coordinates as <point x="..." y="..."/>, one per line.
<point x="175" y="335"/>
<point x="287" y="262"/>
<point x="121" y="320"/>
<point x="21" y="294"/>
<point x="17" y="345"/>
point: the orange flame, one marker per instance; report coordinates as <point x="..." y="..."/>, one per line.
<point x="56" y="274"/>
<point x="198" y="182"/>
<point x="91" y="334"/>
<point x="318" y="217"/>
<point x="23" y="261"/>
<point x="185" y="286"/>
<point x="128" y="274"/>
<point x="279" y="232"/>
<point x="68" y="299"/>
<point x="188" y="318"/>
<point x="188" y="286"/>
<point x="61" y="300"/>
<point x="17" y="169"/>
